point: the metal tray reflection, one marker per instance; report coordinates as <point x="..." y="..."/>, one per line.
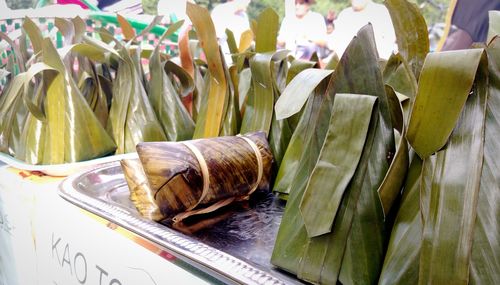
<point x="234" y="244"/>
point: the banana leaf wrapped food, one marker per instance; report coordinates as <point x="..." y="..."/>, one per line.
<point x="180" y="179"/>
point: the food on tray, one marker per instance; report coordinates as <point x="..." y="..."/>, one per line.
<point x="179" y="179"/>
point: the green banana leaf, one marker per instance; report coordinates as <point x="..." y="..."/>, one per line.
<point x="67" y="29"/>
<point x="131" y="117"/>
<point x="260" y="102"/>
<point x="232" y="119"/>
<point x="302" y="87"/>
<point x="244" y="86"/>
<point x="281" y="131"/>
<point x="210" y="124"/>
<point x="336" y="256"/>
<point x="309" y="134"/>
<point x="11" y="103"/>
<point x="258" y="113"/>
<point x="452" y="193"/>
<point x="233" y="48"/>
<point x="93" y="94"/>
<point x="443" y="90"/>
<point x="75" y="136"/>
<point x="298" y="90"/>
<point x="267" y="31"/>
<point x="494" y="24"/>
<point x="457" y="187"/>
<point x="296" y="67"/>
<point x="353" y="251"/>
<point x="335" y="169"/>
<point x="485" y="264"/>
<point x="398" y="75"/>
<point x="165" y="99"/>
<point x="296" y="165"/>
<point x="393" y="181"/>
<point x="16" y="52"/>
<point x="411" y="32"/>
<point x="401" y="264"/>
<point x="80" y="29"/>
<point x="167" y="104"/>
<point x="34" y="34"/>
<point x="33" y="135"/>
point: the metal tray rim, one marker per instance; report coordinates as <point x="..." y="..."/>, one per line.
<point x="198" y="254"/>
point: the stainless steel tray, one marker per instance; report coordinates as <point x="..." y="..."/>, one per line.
<point x="233" y="246"/>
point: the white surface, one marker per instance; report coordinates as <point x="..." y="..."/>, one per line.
<point x="57" y="243"/>
<point x="63" y="169"/>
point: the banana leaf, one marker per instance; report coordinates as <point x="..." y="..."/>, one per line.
<point x="186" y="61"/>
<point x="33" y="129"/>
<point x="73" y="131"/>
<point x="131" y="117"/>
<point x="244" y="87"/>
<point x="494" y="24"/>
<point x="33" y="135"/>
<point x="258" y="113"/>
<point x="393" y="181"/>
<point x="93" y="92"/>
<point x="281" y="131"/>
<point x="232" y="119"/>
<point x="267" y="31"/>
<point x="444" y="87"/>
<point x="485" y="262"/>
<point x="347" y="132"/>
<point x="457" y="187"/>
<point x="398" y="75"/>
<point x="12" y="109"/>
<point x="452" y="192"/>
<point x="10" y="121"/>
<point x="294" y="170"/>
<point x="210" y="124"/>
<point x="80" y="29"/>
<point x="401" y="264"/>
<point x="411" y="32"/>
<point x="353" y="251"/>
<point x="187" y="178"/>
<point x="309" y="135"/>
<point x="335" y="256"/>
<point x="67" y="29"/>
<point x="127" y="29"/>
<point x="16" y="52"/>
<point x="166" y="101"/>
<point x="34" y="34"/>
<point x="298" y="90"/>
<point x="260" y="102"/>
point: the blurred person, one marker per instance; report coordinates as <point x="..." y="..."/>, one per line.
<point x="304" y="32"/>
<point x="470" y="22"/>
<point x="329" y="21"/>
<point x="353" y="18"/>
<point x="231" y="15"/>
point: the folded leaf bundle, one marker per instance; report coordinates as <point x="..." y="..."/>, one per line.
<point x="333" y="229"/>
<point x="180" y="179"/>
